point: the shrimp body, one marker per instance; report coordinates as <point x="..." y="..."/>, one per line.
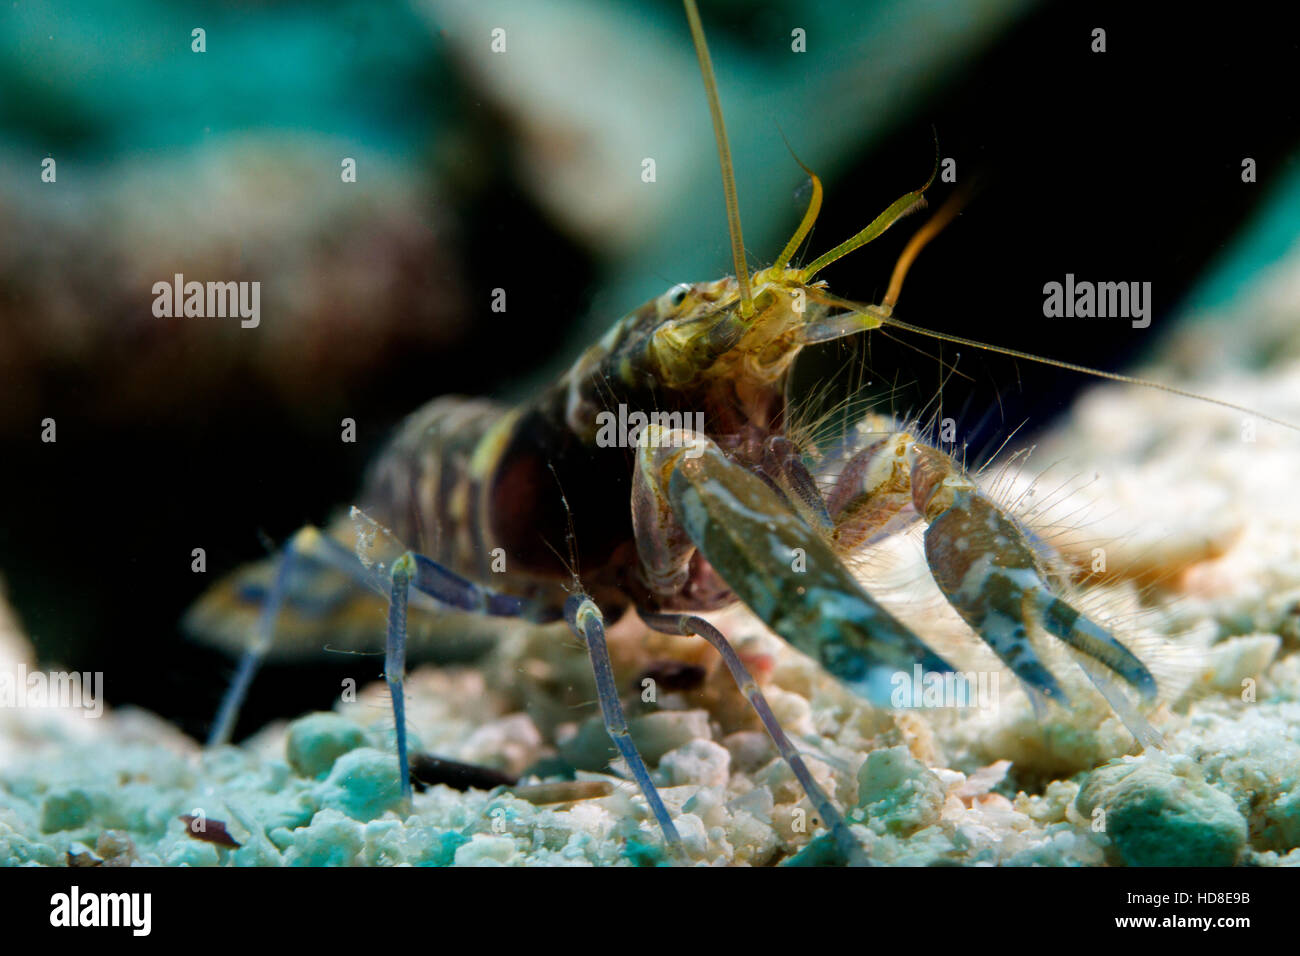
<point x="661" y="473"/>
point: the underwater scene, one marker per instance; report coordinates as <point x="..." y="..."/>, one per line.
<point x="476" y="433"/>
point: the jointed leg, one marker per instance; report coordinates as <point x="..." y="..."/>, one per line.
<point x="766" y="555"/>
<point x="784" y="463"/>
<point x="413" y="570"/>
<point x="584" y="618"/>
<point x="395" y="663"/>
<point x="263" y="638"/>
<point x="772" y="559"/>
<point x="587" y="623"/>
<point x="990" y="573"/>
<point x="307" y="546"/>
<point x="983" y="562"/>
<point x="688" y="624"/>
<point x="310" y="546"/>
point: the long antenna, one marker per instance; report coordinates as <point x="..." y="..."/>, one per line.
<point x="874" y="317"/>
<point x="909" y="202"/>
<point x="724" y="158"/>
<point x="809" y="216"/>
<point x="918" y="241"/>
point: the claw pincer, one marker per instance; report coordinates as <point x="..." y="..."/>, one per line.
<point x="990" y="573"/>
<point x="755" y="541"/>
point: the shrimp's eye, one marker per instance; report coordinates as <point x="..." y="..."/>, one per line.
<point x="677" y="294"/>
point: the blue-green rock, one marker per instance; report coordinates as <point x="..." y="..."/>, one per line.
<point x="65" y="810"/>
<point x="363" y="784"/>
<point x="1159" y="812"/>
<point x="316" y="741"/>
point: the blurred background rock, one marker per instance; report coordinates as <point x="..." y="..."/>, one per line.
<point x="522" y="171"/>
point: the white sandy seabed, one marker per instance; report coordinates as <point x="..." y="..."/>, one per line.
<point x="1197" y="513"/>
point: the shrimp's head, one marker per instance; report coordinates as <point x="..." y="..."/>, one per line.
<point x="698" y="332"/>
